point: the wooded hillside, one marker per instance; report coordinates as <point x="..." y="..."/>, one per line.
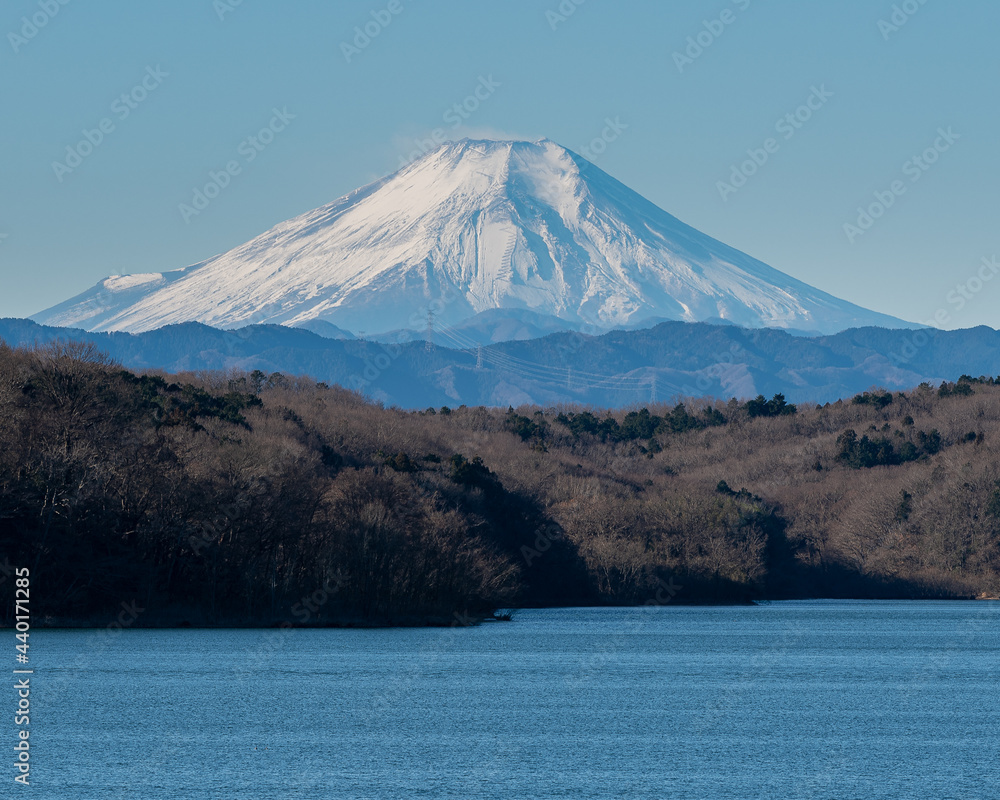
<point x="247" y="498"/>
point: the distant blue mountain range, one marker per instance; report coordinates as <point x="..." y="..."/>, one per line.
<point x="615" y="369"/>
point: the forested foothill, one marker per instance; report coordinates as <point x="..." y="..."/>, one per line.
<point x="245" y="498"/>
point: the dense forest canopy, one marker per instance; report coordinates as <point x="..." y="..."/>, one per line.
<point x="255" y="499"/>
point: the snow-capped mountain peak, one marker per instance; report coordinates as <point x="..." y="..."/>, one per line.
<point x="473" y="225"/>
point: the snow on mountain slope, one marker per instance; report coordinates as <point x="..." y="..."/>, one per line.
<point x="471" y="226"/>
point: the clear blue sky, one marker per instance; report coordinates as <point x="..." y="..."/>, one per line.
<point x="560" y="76"/>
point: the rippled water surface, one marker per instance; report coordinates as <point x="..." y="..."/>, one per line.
<point x="786" y="700"/>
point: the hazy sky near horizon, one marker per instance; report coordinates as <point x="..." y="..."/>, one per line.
<point x="764" y="124"/>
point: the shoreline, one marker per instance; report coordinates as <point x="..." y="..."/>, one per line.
<point x="458" y="620"/>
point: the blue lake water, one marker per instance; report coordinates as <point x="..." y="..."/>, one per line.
<point x="786" y="700"/>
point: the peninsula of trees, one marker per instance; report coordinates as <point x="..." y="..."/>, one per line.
<point x="227" y="499"/>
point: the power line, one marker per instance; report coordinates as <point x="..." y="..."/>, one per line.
<point x="534" y="370"/>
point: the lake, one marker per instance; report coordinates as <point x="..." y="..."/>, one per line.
<point x="817" y="699"/>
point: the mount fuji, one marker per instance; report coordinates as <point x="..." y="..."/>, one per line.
<point x="474" y="225"/>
